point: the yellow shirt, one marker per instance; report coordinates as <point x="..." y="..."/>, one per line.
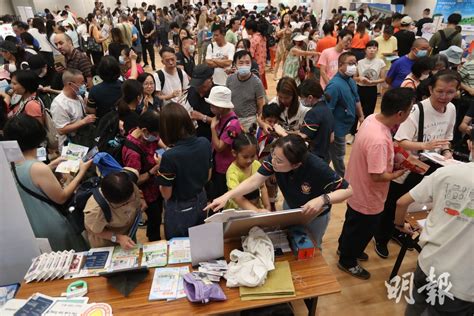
<point x="235" y="176"/>
<point x="386" y="47"/>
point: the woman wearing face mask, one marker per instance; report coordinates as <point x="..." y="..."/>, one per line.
<point x="117" y="44"/>
<point x="185" y="56"/>
<point x="128" y="62"/>
<point x="139" y="152"/>
<point x="419" y="72"/>
<point x="297" y="52"/>
<point x="295" y="168"/>
<point x="24" y="85"/>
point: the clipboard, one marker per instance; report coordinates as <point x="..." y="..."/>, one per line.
<point x="240" y="226"/>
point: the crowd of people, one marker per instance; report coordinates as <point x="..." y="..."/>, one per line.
<point x="200" y="132"/>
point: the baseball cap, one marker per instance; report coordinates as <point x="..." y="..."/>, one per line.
<point x="406" y="20"/>
<point x="8" y="46"/>
<point x="200" y="74"/>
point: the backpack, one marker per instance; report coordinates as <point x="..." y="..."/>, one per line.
<point x="161" y="76"/>
<point x="445" y="42"/>
<point x="110" y="140"/>
<point x="51" y="131"/>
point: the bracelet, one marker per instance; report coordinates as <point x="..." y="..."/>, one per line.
<point x="445" y="150"/>
<point x="326" y="199"/>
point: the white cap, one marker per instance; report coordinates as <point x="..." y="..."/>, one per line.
<point x="221" y="97"/>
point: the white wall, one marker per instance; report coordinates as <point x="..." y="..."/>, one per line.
<point x="414" y="8"/>
<point x="6" y="7"/>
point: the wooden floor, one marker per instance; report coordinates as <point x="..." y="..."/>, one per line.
<point x="358" y="297"/>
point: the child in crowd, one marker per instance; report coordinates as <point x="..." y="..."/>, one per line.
<point x="225" y="127"/>
<point x="270" y="115"/>
<point x="244" y="149"/>
<point x="138" y="152"/>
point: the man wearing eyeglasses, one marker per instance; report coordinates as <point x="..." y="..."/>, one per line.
<point x="345" y="105"/>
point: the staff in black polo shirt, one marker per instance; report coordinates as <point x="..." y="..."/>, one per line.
<point x="306" y="181"/>
<point x="185" y="56"/>
<point x="185" y="169"/>
<point x="200" y="86"/>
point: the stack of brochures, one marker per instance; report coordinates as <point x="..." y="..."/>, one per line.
<point x="168" y="284"/>
<point x="180" y="250"/>
<point x="279" y="283"/>
<point x="155" y="254"/>
<point x="214" y="269"/>
<point x="40" y="304"/>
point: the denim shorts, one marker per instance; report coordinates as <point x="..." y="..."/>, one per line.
<point x="180" y="215"/>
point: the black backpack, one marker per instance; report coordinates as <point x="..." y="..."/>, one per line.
<point x="445" y="42"/>
<point x="109" y="140"/>
<point x="161" y="76"/>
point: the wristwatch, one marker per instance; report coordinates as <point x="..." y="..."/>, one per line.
<point x="327" y="200"/>
<point x="113" y="238"/>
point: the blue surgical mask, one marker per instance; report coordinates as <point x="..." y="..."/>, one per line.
<point x="150" y="138"/>
<point x="81" y="90"/>
<point x="421" y="53"/>
<point x="243" y="70"/>
<point x="121" y="60"/>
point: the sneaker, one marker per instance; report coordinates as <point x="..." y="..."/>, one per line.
<point x="362" y="257"/>
<point x="403" y="239"/>
<point x="356" y="271"/>
<point x="350" y="139"/>
<point x="381" y="250"/>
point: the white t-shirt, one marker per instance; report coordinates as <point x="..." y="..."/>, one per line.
<point x="436" y="125"/>
<point x="225" y="52"/>
<point x="448" y="236"/>
<point x="172" y="83"/>
<point x="294" y="123"/>
<point x="42" y="40"/>
<point x="66" y="111"/>
<point x="370" y="69"/>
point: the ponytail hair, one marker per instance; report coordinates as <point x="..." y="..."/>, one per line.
<point x="131" y="90"/>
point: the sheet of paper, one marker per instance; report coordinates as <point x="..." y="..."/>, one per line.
<point x="155" y="254"/>
<point x="165" y="284"/>
<point x="421" y="222"/>
<point x="12" y="150"/>
<point x="207" y="242"/>
<point x="11" y="307"/>
<point x="180" y="292"/>
<point x="69" y="307"/>
<point x="43" y="245"/>
<point x="179" y="251"/>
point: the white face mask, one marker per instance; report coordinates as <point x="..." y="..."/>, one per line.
<point x="424" y="76"/>
<point x="351" y="70"/>
<point x="191" y="48"/>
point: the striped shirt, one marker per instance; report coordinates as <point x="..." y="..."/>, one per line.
<point x="79" y="60"/>
<point x="467" y="73"/>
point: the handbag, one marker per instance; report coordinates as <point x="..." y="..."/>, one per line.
<point x="85" y="135"/>
<point x="91" y="44"/>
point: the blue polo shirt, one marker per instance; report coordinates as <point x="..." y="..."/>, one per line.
<point x="313" y="178"/>
<point x="399" y="70"/>
<point x="343" y="98"/>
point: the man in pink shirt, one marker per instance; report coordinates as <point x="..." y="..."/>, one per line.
<point x="328" y="61"/>
<point x="369" y="172"/>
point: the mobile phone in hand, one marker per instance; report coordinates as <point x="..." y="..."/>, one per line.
<point x="90" y="154"/>
<point x="159" y="152"/>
